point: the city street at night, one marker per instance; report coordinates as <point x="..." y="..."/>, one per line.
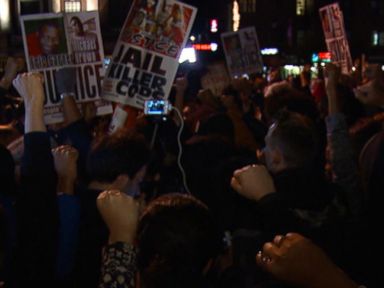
<point x="191" y="143"/>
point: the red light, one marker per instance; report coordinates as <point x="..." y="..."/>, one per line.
<point x="202" y="47"/>
<point x="325" y="56"/>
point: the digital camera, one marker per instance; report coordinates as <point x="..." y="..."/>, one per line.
<point x="157" y="107"/>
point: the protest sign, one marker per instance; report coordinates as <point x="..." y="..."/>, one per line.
<point x="53" y="41"/>
<point x="55" y="114"/>
<point x="216" y="79"/>
<point x="145" y="59"/>
<point x="242" y="52"/>
<point x="332" y="20"/>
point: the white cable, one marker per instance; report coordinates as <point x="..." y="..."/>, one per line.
<point x="181" y="150"/>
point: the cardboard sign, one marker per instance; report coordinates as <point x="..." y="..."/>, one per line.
<point x="53" y="41"/>
<point x="332" y="20"/>
<point x="242" y="52"/>
<point x="145" y="59"/>
<point x="216" y="79"/>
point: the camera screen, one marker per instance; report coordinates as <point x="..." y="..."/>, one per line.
<point x="107" y="61"/>
<point x="155" y="107"/>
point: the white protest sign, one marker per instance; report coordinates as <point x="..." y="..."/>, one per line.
<point x="145" y="59"/>
<point x="53" y="41"/>
<point x="332" y="20"/>
<point x="242" y="52"/>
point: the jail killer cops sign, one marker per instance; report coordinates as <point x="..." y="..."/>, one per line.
<point x="54" y="41"/>
<point x="145" y="59"/>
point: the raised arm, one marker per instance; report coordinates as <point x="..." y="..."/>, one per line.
<point x="65" y="80"/>
<point x="65" y="158"/>
<point x="343" y="160"/>
<point x="120" y="213"/>
<point x="76" y="132"/>
<point x="30" y="88"/>
<point x="256" y="184"/>
<point x="37" y="213"/>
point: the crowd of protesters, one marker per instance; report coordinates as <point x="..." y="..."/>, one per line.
<point x="283" y="185"/>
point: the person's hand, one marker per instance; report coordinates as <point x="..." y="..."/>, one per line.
<point x="10" y="72"/>
<point x="371" y="93"/>
<point x="332" y="73"/>
<point x="297" y="261"/>
<point x="89" y="111"/>
<point x="120" y="213"/>
<point x="253" y="182"/>
<point x="65" y="160"/>
<point x="181" y="84"/>
<point x="65" y="80"/>
<point x="371" y="71"/>
<point x="31" y="89"/>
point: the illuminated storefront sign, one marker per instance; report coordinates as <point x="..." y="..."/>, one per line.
<point x="206" y="47"/>
<point x="188" y="54"/>
<point x="269" y="51"/>
<point x="324" y="57"/>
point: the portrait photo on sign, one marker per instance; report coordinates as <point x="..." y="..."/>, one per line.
<point x="45" y="37"/>
<point x="83" y="38"/>
<point x="45" y="42"/>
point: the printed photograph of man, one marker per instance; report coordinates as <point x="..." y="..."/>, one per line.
<point x="84" y="40"/>
<point x="45" y="37"/>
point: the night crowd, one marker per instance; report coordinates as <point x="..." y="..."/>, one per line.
<point x="282" y="187"/>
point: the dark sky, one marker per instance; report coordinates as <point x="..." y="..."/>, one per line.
<point x="208" y="9"/>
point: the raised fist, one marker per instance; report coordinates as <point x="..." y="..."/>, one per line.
<point x="30" y="87"/>
<point x="120" y="213"/>
<point x="65" y="159"/>
<point x="253" y="182"/>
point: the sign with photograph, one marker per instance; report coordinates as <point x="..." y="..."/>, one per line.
<point x="216" y="79"/>
<point x="54" y="41"/>
<point x="145" y="59"/>
<point x="242" y="52"/>
<point x="332" y="20"/>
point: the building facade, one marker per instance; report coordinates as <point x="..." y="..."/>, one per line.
<point x="293" y="26"/>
